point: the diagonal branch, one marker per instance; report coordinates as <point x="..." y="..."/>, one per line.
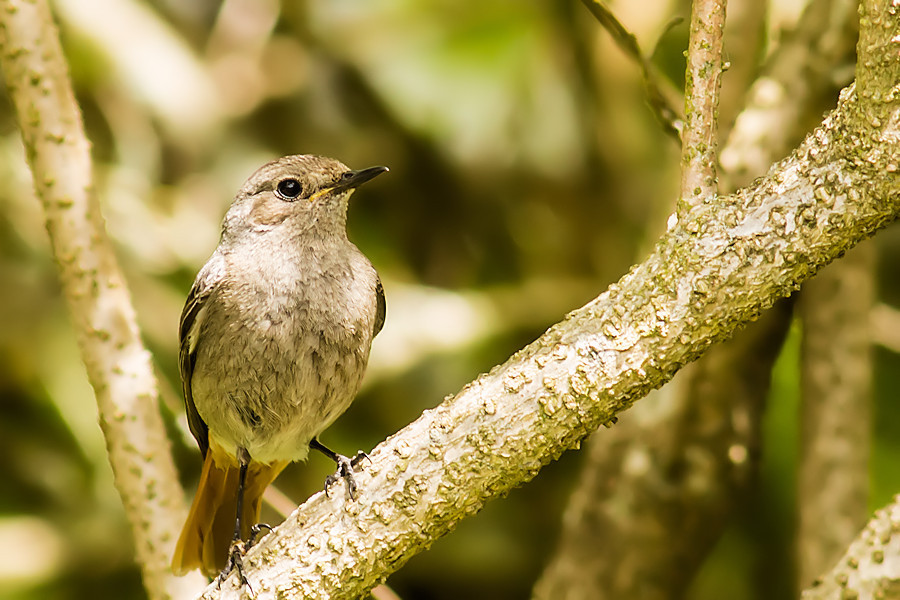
<point x="869" y="568"/>
<point x="714" y="270"/>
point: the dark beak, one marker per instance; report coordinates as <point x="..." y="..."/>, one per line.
<point x="353" y="179"/>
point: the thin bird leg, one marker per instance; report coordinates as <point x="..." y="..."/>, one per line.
<point x="237" y="549"/>
<point x="345" y="467"/>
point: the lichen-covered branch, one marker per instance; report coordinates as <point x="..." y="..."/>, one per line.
<point x="715" y="269"/>
<point x="117" y="364"/>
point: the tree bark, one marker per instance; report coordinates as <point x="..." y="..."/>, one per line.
<point x="869" y="569"/>
<point x="118" y="365"/>
<point x="681" y="461"/>
<point x="713" y="271"/>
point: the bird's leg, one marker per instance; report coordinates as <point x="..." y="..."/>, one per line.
<point x="237" y="549"/>
<point x="345" y="466"/>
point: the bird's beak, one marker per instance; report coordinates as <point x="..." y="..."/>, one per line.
<point x="354" y="179"/>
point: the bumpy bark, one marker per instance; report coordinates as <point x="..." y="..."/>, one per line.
<point x="714" y="270"/>
<point x="118" y="365"/>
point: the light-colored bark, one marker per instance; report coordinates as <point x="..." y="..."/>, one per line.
<point x="703" y="80"/>
<point x="117" y="364"/>
<point x="680" y="461"/>
<point x="671" y="469"/>
<point x="712" y="272"/>
<point x="870" y="567"/>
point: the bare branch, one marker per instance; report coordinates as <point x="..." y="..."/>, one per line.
<point x="664" y="112"/>
<point x="703" y="79"/>
<point x="713" y="271"/>
<point x="869" y="570"/>
<point x="117" y="364"/>
<point x="672" y="468"/>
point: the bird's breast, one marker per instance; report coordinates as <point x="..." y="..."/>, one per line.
<point x="282" y="353"/>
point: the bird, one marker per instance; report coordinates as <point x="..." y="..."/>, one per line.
<point x="274" y="339"/>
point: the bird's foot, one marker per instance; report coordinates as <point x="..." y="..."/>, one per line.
<point x="254" y="533"/>
<point x="346" y="467"/>
<point x="235" y="563"/>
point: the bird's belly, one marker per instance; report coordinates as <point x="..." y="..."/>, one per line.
<point x="276" y="388"/>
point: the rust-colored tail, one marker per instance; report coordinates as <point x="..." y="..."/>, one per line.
<point x="206" y="535"/>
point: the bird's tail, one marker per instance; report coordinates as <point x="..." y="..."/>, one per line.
<point x="208" y="531"/>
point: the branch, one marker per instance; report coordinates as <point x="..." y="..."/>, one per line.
<point x="673" y="468"/>
<point x="835" y="416"/>
<point x="715" y="269"/>
<point x="117" y="364"/>
<point x="869" y="569"/>
<point x="703" y="79"/>
<point x="678" y="465"/>
<point x="664" y="112"/>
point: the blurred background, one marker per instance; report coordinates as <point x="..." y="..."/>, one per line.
<point x="527" y="173"/>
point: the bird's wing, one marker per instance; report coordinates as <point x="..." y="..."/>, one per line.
<point x="189" y="337"/>
<point x="380" y="306"/>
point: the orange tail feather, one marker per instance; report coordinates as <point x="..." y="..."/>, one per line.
<point x="206" y="535"/>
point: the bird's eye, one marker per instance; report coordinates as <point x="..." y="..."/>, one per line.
<point x="289" y="189"/>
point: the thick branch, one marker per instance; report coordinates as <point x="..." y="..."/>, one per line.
<point x="672" y="469"/>
<point x="676" y="466"/>
<point x="117" y="364"/>
<point x="714" y="270"/>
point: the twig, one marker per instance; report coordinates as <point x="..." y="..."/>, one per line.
<point x="703" y="79"/>
<point x="117" y="364"/>
<point x="664" y="112"/>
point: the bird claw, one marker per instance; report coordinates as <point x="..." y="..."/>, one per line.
<point x="236" y="557"/>
<point x="235" y="563"/>
<point x="346" y="469"/>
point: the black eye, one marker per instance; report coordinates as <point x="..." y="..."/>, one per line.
<point x="289" y="189"/>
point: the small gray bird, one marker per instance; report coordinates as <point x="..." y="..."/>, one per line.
<point x="275" y="337"/>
